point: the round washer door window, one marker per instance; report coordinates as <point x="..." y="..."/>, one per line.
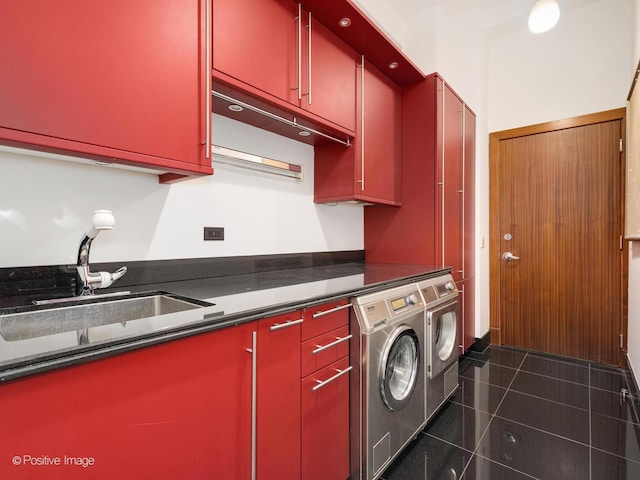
<point x="399" y="368"/>
<point x="445" y="334"/>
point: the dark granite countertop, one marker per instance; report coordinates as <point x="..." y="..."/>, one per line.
<point x="235" y="299"/>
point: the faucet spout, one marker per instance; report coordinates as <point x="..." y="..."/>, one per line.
<point x="86" y="281"/>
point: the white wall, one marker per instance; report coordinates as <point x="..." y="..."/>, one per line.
<point x="633" y="344"/>
<point x="46" y="203"/>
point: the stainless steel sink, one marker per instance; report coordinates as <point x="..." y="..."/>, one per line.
<point x="31" y="322"/>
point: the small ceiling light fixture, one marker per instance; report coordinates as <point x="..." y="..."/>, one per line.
<point x="345" y="22"/>
<point x="393" y="65"/>
<point x="304" y="133"/>
<point x="544" y="16"/>
<point x="235" y="108"/>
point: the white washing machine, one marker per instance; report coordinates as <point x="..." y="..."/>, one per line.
<point x="388" y="403"/>
<point x="440" y="296"/>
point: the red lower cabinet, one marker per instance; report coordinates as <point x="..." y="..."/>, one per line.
<point x="325" y="423"/>
<point x="278" y="397"/>
<point x="181" y="409"/>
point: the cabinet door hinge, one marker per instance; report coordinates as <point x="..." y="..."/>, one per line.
<point x="621" y="149"/>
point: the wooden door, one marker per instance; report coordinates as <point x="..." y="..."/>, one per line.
<point x="556" y="204"/>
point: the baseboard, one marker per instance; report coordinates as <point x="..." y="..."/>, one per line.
<point x="632" y="383"/>
<point x="481" y="344"/>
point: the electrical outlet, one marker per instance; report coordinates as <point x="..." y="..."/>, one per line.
<point x="213" y="233"/>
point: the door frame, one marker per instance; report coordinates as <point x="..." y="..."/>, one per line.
<point x="495" y="321"/>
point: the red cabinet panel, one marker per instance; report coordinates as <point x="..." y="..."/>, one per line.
<point x="369" y="170"/>
<point x="324" y="349"/>
<point x="255" y="42"/>
<point x="334" y="72"/>
<point x="325" y="424"/>
<point x="451" y="200"/>
<point x="124" y="83"/>
<point x="278" y="397"/>
<point x="324" y="318"/>
<point x="177" y="410"/>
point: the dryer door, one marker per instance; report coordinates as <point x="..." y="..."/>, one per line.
<point x="399" y="367"/>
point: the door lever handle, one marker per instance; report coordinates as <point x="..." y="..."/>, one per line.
<point x="508" y="257"/>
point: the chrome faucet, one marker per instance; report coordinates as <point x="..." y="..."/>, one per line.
<point x="87" y="281"/>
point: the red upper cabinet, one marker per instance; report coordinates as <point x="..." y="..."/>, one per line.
<point x="369" y="170"/>
<point x="254" y="41"/>
<point x="276" y="52"/>
<point x="125" y="82"/>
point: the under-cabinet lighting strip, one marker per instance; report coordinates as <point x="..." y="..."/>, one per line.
<point x="273" y="116"/>
<point x="255" y="162"/>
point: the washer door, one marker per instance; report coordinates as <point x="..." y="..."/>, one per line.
<point x="442" y="330"/>
<point x="399" y="367"/>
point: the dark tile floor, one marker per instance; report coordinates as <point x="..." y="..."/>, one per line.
<point x="522" y="415"/>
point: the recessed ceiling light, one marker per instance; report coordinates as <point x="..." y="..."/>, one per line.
<point x="345" y="22"/>
<point x="235" y="108"/>
<point x="304" y="133"/>
<point x="393" y="65"/>
<point x="99" y="164"/>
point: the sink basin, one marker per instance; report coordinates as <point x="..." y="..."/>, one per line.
<point x="83" y="313"/>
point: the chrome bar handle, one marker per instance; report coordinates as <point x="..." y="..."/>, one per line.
<point x="309" y="63"/>
<point x="288" y="323"/>
<point x="327" y="312"/>
<point x="254" y="406"/>
<point x="207" y="121"/>
<point x="299" y="23"/>
<point x="338" y="341"/>
<point x="362" y="102"/>
<point x="329" y="380"/>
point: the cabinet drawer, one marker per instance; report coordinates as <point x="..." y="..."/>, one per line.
<point x="324" y="349"/>
<point x="325" y="423"/>
<point x="324" y="318"/>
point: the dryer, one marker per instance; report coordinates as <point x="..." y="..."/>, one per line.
<point x="440" y="296"/>
<point x="388" y="351"/>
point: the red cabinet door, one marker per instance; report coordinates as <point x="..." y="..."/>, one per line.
<point x="453" y="183"/>
<point x="278" y="397"/>
<point x="370" y="169"/>
<point x="329" y="86"/>
<point x="176" y="410"/>
<point x="124" y="81"/>
<point x="469" y="192"/>
<point x="255" y="42"/>
<point x="325" y="424"/>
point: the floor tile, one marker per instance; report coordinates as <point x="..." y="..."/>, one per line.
<point x="611" y="467"/>
<point x="539" y="454"/>
<point x="500" y="356"/>
<point x="478" y="395"/>
<point x="563" y="420"/>
<point x="552" y="389"/>
<point x="552" y="368"/>
<point x="487" y="372"/>
<point x="484" y="469"/>
<point x="616" y="436"/>
<point x="459" y="425"/>
<point x="611" y="404"/>
<point x="428" y="458"/>
<point x="610" y="380"/>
